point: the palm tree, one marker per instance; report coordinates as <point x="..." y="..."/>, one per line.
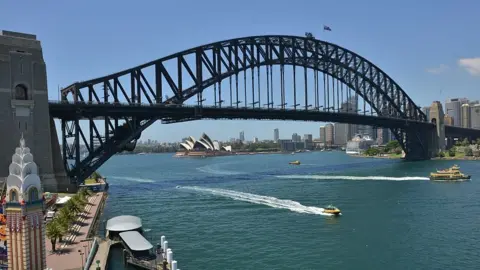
<point x="54" y="232"/>
<point x="63" y="223"/>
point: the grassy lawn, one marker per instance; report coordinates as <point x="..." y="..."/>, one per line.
<point x="90" y="181"/>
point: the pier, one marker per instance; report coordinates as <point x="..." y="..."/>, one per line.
<point x="137" y="250"/>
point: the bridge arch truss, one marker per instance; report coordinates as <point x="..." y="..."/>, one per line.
<point x="224" y="72"/>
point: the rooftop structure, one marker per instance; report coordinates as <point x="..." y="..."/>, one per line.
<point x="124" y="223"/>
<point x="135" y="241"/>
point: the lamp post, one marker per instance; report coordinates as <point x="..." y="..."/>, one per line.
<point x="81" y="254"/>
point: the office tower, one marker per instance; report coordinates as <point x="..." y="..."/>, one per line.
<point x="242" y="136"/>
<point x="329" y="139"/>
<point x="466" y="116"/>
<point x="276" y="135"/>
<point x="322" y="135"/>
<point x="308" y="137"/>
<point x="453" y="108"/>
<point x="448" y="120"/>
<point x="296" y="138"/>
<point x="383" y="136"/>
<point x="475" y="114"/>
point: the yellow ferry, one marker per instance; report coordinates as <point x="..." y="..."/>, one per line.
<point x="296" y="162"/>
<point x="451" y="174"/>
<point x="330" y="209"/>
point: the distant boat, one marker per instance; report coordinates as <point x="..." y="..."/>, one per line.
<point x="142" y="153"/>
<point x="296" y="162"/>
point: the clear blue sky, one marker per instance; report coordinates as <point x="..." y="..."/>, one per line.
<point x="428" y="47"/>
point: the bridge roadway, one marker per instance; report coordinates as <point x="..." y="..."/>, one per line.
<point x="170" y="113"/>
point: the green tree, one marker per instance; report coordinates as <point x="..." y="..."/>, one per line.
<point x="54" y="231"/>
<point x="398" y="151"/>
<point x="372" y="151"/>
<point x="441" y="154"/>
<point x="465" y="142"/>
<point x="452" y="152"/>
<point x="468" y="152"/>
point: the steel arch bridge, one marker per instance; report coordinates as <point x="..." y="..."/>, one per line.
<point x="235" y="79"/>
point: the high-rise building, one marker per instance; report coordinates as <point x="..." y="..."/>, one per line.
<point x="329" y="139"/>
<point x="276" y="135"/>
<point x="448" y="120"/>
<point x="242" y="136"/>
<point x="296" y="137"/>
<point x="426" y="111"/>
<point x="475" y="114"/>
<point x="255" y="140"/>
<point x="308" y="137"/>
<point x="344" y="132"/>
<point x="23" y="208"/>
<point x="453" y="109"/>
<point x="322" y="135"/>
<point x="383" y="136"/>
<point x="466" y="116"/>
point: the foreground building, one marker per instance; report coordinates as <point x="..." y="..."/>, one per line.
<point x="24" y="207"/>
<point x="203" y="147"/>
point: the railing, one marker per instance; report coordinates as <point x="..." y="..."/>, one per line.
<point x="91" y="255"/>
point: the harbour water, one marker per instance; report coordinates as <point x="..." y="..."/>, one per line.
<point x="258" y="212"/>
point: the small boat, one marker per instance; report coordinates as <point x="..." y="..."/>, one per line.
<point x="296" y="162"/>
<point x="451" y="174"/>
<point x="330" y="209"/>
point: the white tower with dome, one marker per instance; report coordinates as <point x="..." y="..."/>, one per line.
<point x="24" y="209"/>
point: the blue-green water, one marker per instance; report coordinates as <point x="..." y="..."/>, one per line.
<point x="393" y="220"/>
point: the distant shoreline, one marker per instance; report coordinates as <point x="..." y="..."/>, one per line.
<point x="435" y="158"/>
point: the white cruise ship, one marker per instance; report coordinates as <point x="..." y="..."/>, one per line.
<point x="359" y="144"/>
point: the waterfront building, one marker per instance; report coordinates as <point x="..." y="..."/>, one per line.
<point x="449" y="120"/>
<point x="453" y="108"/>
<point x="296" y="137"/>
<point x="329" y="134"/>
<point x="203" y="147"/>
<point x="475" y="114"/>
<point x="255" y="140"/>
<point x="276" y="135"/>
<point x="466" y="116"/>
<point x="322" y="135"/>
<point x="24" y="209"/>
<point x="359" y="144"/>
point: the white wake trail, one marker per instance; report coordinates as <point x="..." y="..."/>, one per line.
<point x="259" y="199"/>
<point x="344" y="177"/>
<point x="133" y="179"/>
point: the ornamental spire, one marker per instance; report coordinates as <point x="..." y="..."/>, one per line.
<point x="22" y="142"/>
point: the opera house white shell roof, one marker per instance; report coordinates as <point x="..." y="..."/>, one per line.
<point x="204" y="143"/>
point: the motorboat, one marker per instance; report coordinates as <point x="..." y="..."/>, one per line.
<point x="330" y="209"/>
<point x="451" y="174"/>
<point x="296" y="162"/>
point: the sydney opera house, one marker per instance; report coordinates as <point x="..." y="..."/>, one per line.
<point x="203" y="147"/>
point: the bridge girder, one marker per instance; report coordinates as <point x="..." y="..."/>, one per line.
<point x="187" y="74"/>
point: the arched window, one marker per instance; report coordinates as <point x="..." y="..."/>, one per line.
<point x="21" y="92"/>
<point x="13" y="196"/>
<point x="33" y="194"/>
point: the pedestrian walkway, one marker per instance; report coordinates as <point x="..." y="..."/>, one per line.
<point x="101" y="255"/>
<point x="73" y="251"/>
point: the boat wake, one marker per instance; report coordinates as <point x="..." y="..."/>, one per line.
<point x="211" y="169"/>
<point x="133" y="179"/>
<point x="259" y="199"/>
<point x="345" y="177"/>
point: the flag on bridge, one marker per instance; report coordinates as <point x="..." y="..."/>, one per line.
<point x="326" y="28"/>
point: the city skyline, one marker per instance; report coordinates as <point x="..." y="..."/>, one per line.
<point x="443" y="64"/>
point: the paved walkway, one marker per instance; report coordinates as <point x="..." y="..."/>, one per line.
<point x="101" y="255"/>
<point x="67" y="256"/>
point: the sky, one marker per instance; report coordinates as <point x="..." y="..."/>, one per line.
<point x="430" y="48"/>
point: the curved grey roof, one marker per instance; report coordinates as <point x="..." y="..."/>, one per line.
<point x="124" y="223"/>
<point x="135" y="241"/>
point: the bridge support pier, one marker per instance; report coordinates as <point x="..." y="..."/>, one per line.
<point x="24" y="108"/>
<point x="420" y="144"/>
